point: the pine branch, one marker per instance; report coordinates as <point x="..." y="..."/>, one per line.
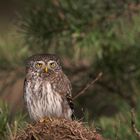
<point x="87" y="86"/>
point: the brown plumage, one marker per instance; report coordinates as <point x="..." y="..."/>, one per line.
<point x="47" y="90"/>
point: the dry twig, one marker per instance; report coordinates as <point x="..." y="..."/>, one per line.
<point x="88" y="85"/>
<point x="133" y="124"/>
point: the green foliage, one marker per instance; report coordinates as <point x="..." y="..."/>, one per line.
<point x="116" y="127"/>
<point x="119" y="126"/>
<point x="8" y="126"/>
<point x="45" y="22"/>
<point x="4" y="118"/>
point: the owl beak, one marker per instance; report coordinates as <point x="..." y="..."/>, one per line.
<point x="46" y="69"/>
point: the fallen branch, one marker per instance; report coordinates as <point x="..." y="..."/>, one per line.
<point x="133" y="124"/>
<point x="88" y="85"/>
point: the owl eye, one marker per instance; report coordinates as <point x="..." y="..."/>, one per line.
<point x="39" y="65"/>
<point x="52" y="64"/>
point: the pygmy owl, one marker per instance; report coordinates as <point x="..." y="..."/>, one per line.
<point x="47" y="90"/>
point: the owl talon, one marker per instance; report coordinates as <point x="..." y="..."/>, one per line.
<point x="45" y="119"/>
<point x="42" y="120"/>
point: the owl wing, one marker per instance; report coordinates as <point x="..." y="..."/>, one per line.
<point x="68" y="94"/>
<point x="24" y="93"/>
<point x="70" y="102"/>
<point x="64" y="88"/>
<point x="24" y="90"/>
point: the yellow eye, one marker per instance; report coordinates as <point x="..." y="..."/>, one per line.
<point x="52" y="64"/>
<point x="39" y="65"/>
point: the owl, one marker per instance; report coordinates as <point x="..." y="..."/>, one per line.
<point x="47" y="90"/>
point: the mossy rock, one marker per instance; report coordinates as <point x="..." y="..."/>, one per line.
<point x="58" y="129"/>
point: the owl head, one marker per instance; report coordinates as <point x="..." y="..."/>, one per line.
<point x="43" y="64"/>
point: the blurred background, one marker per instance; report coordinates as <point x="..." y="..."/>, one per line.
<point x="90" y="36"/>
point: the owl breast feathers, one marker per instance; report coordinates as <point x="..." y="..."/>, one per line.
<point x="47" y="90"/>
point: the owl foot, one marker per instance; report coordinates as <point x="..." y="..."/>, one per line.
<point x="46" y="119"/>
